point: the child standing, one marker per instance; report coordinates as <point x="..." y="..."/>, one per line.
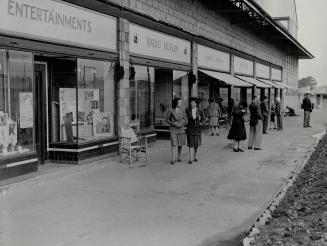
<point x="272" y="117"/>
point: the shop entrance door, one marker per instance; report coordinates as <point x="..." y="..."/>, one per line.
<point x="40" y="73"/>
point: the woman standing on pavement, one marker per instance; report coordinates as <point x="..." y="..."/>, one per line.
<point x="195" y="118"/>
<point x="279" y="114"/>
<point x="214" y="115"/>
<point x="237" y="131"/>
<point x="255" y="136"/>
<point x="177" y="120"/>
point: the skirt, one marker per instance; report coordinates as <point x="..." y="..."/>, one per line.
<point x="214" y="121"/>
<point x="193" y="141"/>
<point x="177" y="139"/>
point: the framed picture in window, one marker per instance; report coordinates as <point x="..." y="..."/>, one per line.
<point x="103" y="124"/>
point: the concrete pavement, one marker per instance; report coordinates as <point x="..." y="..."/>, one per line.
<point x="207" y="203"/>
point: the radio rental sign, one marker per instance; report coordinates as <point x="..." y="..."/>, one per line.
<point x="52" y="20"/>
<point x="147" y="42"/>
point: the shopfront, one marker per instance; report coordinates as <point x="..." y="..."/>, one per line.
<point x="215" y="80"/>
<point x="160" y="65"/>
<point x="57" y="89"/>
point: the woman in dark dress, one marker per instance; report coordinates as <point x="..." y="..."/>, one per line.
<point x="237" y="131"/>
<point x="195" y="118"/>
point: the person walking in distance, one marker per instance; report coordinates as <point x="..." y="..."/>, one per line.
<point x="272" y="117"/>
<point x="279" y="114"/>
<point x="214" y="114"/>
<point x="255" y="136"/>
<point x="265" y="114"/>
<point x="307" y="108"/>
<point x="195" y="118"/>
<point x="177" y="120"/>
<point x="237" y="131"/>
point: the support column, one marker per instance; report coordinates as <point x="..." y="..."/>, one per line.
<point x="123" y="97"/>
<point x="194" y="87"/>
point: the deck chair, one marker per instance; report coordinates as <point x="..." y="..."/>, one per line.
<point x="132" y="146"/>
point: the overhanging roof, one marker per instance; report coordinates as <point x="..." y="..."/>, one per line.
<point x="248" y="11"/>
<point x="226" y="78"/>
<point x="266" y="81"/>
<point x="253" y="81"/>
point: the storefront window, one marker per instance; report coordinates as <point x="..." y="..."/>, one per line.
<point x="249" y="95"/>
<point x="142" y="97"/>
<point x="181" y="87"/>
<point x="169" y="84"/>
<point x="63" y="120"/>
<point x="16" y="103"/>
<point x="223" y="95"/>
<point x="96" y="99"/>
<point x="237" y="95"/>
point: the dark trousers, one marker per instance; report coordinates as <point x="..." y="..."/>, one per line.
<point x="265" y="124"/>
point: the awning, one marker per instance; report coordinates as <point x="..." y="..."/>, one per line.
<point x="278" y="84"/>
<point x="253" y="81"/>
<point x="266" y="81"/>
<point x="227" y="78"/>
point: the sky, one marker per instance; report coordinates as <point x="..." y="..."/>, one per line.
<point x="312" y="34"/>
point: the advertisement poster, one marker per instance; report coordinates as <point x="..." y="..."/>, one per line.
<point x="102" y="124"/>
<point x="26" y="109"/>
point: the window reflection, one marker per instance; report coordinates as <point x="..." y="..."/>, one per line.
<point x="16" y="102"/>
<point x="142" y="97"/>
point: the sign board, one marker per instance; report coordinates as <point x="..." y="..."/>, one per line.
<point x="276" y="74"/>
<point x="213" y="59"/>
<point x="147" y="42"/>
<point x="52" y="20"/>
<point x="262" y="71"/>
<point x="243" y="66"/>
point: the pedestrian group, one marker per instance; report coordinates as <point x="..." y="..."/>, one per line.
<point x="186" y="125"/>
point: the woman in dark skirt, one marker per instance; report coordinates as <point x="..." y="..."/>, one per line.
<point x="237" y="131"/>
<point x="195" y="118"/>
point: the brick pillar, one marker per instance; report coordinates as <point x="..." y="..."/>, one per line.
<point x="123" y="97"/>
<point x="194" y="88"/>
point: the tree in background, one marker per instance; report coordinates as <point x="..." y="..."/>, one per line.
<point x="307" y="82"/>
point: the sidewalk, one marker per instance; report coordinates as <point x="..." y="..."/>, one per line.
<point x="204" y="204"/>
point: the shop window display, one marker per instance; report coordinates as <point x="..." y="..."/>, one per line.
<point x="168" y="85"/>
<point x="181" y="87"/>
<point x="142" y="97"/>
<point x="16" y="103"/>
<point x="96" y="99"/>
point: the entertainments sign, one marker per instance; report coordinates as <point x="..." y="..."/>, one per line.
<point x="57" y="21"/>
<point x="147" y="42"/>
<point x="213" y="59"/>
<point x="262" y="71"/>
<point x="243" y="66"/>
<point x="276" y="74"/>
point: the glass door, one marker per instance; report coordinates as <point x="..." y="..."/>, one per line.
<point x="41" y="102"/>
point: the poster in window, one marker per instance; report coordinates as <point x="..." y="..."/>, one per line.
<point x="26" y="109"/>
<point x="102" y="124"/>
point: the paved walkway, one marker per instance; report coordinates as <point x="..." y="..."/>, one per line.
<point x="204" y="204"/>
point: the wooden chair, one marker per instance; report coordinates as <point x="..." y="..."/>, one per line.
<point x="132" y="146"/>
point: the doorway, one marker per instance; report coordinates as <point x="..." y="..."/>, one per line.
<point x="41" y="102"/>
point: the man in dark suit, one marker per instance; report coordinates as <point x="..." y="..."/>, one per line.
<point x="307" y="107"/>
<point x="255" y="136"/>
<point x="265" y="114"/>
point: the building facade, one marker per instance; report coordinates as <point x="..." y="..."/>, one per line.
<point x="73" y="72"/>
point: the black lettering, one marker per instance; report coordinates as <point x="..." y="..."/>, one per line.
<point x="79" y="24"/>
<point x="45" y="15"/>
<point x="10" y="7"/>
<point x="61" y="20"/>
<point x="39" y="15"/>
<point x="89" y="27"/>
<point x="27" y="9"/>
<point x="19" y="8"/>
<point x="33" y="12"/>
<point x="74" y="23"/>
<point x="68" y="21"/>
